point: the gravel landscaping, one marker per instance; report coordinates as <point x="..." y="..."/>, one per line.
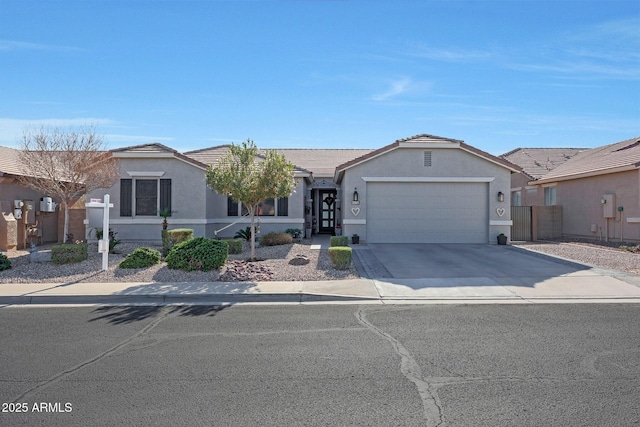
<point x="600" y="254"/>
<point x="278" y="263"/>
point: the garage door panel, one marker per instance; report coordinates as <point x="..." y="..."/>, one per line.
<point x="427" y="212"/>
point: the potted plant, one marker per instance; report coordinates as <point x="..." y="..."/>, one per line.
<point x="502" y="239"/>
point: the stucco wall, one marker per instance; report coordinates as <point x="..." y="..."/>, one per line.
<point x="582" y="207"/>
<point x="530" y="195"/>
<point x="188" y="200"/>
<point x="46" y="221"/>
<point x="409" y="162"/>
<point x="218" y="218"/>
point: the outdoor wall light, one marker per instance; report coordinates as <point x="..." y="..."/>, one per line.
<point x="603" y="201"/>
<point x="355" y="195"/>
<point x="500" y="196"/>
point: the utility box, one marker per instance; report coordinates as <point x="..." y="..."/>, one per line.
<point x="609" y="208"/>
<point x="47" y="205"/>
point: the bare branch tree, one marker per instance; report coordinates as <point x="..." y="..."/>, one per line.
<point x="65" y="164"/>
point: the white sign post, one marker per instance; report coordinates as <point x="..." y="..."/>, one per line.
<point x="103" y="244"/>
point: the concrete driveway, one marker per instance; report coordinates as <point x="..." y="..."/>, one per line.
<point x="412" y="261"/>
<point x="475" y="271"/>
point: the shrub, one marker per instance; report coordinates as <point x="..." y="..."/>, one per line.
<point x="295" y="232"/>
<point x="173" y="237"/>
<point x="5" y="264"/>
<point x="273" y="239"/>
<point x="141" y="258"/>
<point x="69" y="253"/>
<point x="339" y="241"/>
<point x="198" y="254"/>
<point x="235" y="246"/>
<point x="243" y="234"/>
<point x="340" y="257"/>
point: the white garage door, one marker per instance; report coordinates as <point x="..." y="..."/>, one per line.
<point x="401" y="212"/>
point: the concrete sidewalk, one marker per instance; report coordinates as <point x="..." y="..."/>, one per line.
<point x="579" y="287"/>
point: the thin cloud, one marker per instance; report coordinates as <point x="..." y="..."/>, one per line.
<point x="422" y="50"/>
<point x="14" y="45"/>
<point x="11" y="129"/>
<point x="403" y="86"/>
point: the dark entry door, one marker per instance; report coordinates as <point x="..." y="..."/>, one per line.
<point x="327" y="211"/>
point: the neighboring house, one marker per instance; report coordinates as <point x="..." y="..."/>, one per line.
<point x="419" y="189"/>
<point x="44" y="226"/>
<point x="535" y="163"/>
<point x="599" y="191"/>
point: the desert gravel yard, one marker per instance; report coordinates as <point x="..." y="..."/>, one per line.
<point x="277" y="265"/>
<point x="600" y="254"/>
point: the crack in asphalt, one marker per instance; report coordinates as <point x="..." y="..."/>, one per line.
<point x="64" y="374"/>
<point x="432" y="408"/>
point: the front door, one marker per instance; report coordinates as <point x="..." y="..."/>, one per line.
<point x="327" y="211"/>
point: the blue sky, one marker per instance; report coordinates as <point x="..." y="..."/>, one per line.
<point x="323" y="74"/>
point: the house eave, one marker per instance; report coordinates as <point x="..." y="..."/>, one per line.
<point x="587" y="174"/>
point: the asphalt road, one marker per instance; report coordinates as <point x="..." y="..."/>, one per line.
<point x="428" y="365"/>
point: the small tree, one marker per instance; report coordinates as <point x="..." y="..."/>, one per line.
<point x="65" y="164"/>
<point x="250" y="178"/>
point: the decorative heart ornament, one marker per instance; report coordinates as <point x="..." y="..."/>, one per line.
<point x="356" y="211"/>
<point x="500" y="212"/>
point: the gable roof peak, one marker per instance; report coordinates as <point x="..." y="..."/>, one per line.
<point x="425" y="137"/>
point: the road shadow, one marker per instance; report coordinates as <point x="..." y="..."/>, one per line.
<point x="117" y="315"/>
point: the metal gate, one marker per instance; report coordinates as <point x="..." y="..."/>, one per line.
<point x="521" y="228"/>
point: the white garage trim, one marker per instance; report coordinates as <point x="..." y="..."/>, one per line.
<point x="500" y="222"/>
<point x="354" y="221"/>
<point x="427" y="179"/>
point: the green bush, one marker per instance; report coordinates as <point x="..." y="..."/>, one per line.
<point x="198" y="254"/>
<point x="339" y="241"/>
<point x="141" y="258"/>
<point x="173" y="237"/>
<point x="274" y="239"/>
<point x="243" y="234"/>
<point x="69" y="253"/>
<point x="340" y="257"/>
<point x="5" y="264"/>
<point x="295" y="232"/>
<point x="235" y="246"/>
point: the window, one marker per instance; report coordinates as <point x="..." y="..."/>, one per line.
<point x="516" y="198"/>
<point x="269" y="207"/>
<point x="147" y="196"/>
<point x="549" y="196"/>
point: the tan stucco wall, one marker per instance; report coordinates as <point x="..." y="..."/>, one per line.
<point x="46" y="221"/>
<point x="409" y="162"/>
<point x="581" y="206"/>
<point x="530" y="195"/>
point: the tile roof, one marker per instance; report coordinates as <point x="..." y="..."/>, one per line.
<point x="317" y="161"/>
<point x="9" y="161"/>
<point x="623" y="155"/>
<point x="537" y="162"/>
<point x="156" y="148"/>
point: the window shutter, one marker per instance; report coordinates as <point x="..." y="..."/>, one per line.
<point x="165" y="194"/>
<point x="283" y="206"/>
<point x="232" y="207"/>
<point x="125" y="197"/>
